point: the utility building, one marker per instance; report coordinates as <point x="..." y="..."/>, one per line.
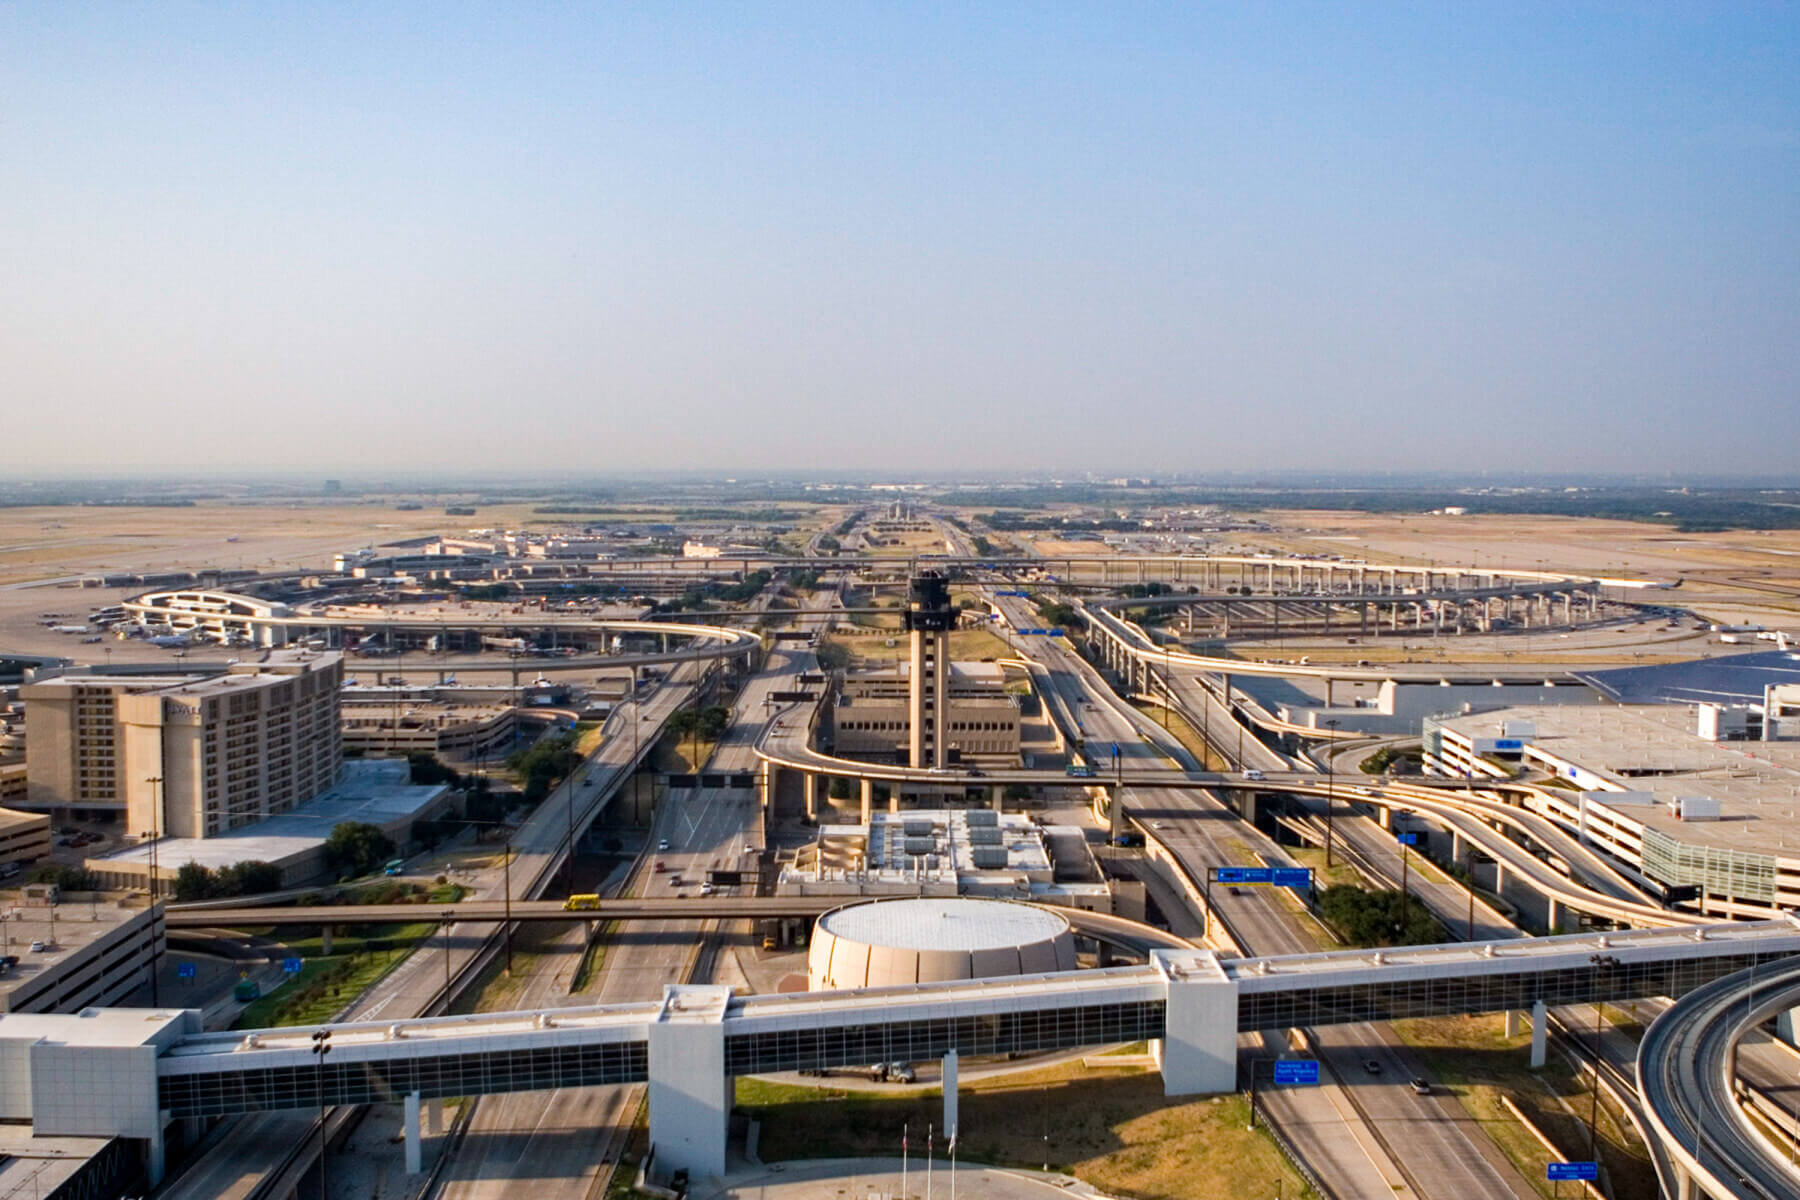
<point x="929" y="619"/>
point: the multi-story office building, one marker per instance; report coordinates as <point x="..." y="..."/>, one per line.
<point x="188" y="757"/>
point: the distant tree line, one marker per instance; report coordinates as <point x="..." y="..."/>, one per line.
<point x="252" y="878"/>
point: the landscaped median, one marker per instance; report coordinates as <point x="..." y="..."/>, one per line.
<point x="1108" y="1126"/>
<point x="360" y="956"/>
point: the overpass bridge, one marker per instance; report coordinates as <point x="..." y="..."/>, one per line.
<point x="1121" y="932"/>
<point x="1686" y="1074"/>
<point x="1191" y="1004"/>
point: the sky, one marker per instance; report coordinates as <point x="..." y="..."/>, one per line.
<point x="1128" y="237"/>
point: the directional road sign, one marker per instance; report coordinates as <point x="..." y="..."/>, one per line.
<point x="1407" y="839"/>
<point x="1297" y="1070"/>
<point x="186" y="970"/>
<point x="1571" y="1170"/>
<point x="1245" y="875"/>
<point x="1292" y="877"/>
<point x="292" y="966"/>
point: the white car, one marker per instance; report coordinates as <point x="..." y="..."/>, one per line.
<point x="1254" y="774"/>
<point x="663" y="845"/>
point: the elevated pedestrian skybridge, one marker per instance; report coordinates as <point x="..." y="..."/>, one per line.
<point x="1190" y="1004"/>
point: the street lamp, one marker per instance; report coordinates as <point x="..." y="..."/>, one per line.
<point x="1601" y="963"/>
<point x="155" y="782"/>
<point x="1330" y="785"/>
<point x="321" y="1046"/>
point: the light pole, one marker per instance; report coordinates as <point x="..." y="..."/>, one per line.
<point x="1330" y="785"/>
<point x="321" y="1046"/>
<point x="1602" y="963"/>
<point x="155" y="782"/>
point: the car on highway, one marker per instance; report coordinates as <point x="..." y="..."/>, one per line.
<point x="1371" y="1066"/>
<point x="1254" y="774"/>
<point x="660" y="866"/>
<point x="1421" y="1087"/>
<point x="663" y="845"/>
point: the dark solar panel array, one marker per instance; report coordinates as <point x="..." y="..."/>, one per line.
<point x="1737" y="679"/>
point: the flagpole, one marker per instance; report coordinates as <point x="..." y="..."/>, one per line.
<point x="929" y="1130"/>
<point x="903" y="1131"/>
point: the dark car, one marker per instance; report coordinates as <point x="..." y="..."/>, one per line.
<point x="1371" y="1066"/>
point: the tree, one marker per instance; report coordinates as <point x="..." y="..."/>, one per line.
<point x="251" y="877"/>
<point x="356" y="847"/>
<point x="1365" y="918"/>
<point x="67" y="879"/>
<point x="193" y="882"/>
<point x="426" y="769"/>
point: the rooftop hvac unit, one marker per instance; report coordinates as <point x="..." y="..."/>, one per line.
<point x="914" y="827"/>
<point x="917" y="846"/>
<point x="989" y="858"/>
<point x="984" y="837"/>
<point x="977" y="818"/>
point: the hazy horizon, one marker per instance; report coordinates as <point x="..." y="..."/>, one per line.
<point x="1551" y="240"/>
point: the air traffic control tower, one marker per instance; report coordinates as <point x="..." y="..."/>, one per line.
<point x="929" y="619"/>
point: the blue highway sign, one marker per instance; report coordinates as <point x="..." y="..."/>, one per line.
<point x="1297" y="1070"/>
<point x="1292" y="877"/>
<point x="186" y="970"/>
<point x="292" y="966"/>
<point x="1407" y="839"/>
<point x="1245" y="875"/>
<point x="1572" y="1170"/>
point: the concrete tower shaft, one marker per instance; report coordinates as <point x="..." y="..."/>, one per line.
<point x="929" y="619"/>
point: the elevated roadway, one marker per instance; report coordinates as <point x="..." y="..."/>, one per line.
<point x="1687" y="1074"/>
<point x="682" y="906"/>
<point x="270" y="1150"/>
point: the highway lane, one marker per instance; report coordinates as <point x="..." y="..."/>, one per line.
<point x="1337" y="1141"/>
<point x="1369" y="1132"/>
<point x="561" y="1144"/>
<point x="252" y="1151"/>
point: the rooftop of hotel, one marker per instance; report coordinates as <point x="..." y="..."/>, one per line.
<point x="377" y="791"/>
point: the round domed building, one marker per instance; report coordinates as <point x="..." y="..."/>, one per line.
<point x="933" y="939"/>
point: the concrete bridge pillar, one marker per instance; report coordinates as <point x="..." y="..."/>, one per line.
<point x="1540" y="1032"/>
<point x="324" y="939"/>
<point x="868" y="799"/>
<point x="415" y="1156"/>
<point x="1515" y="1023"/>
<point x="1362" y="617"/>
<point x="950" y="1096"/>
<point x="155" y="1156"/>
<point x="690" y="1091"/>
<point x="1198" y="1051"/>
<point x="812" y="795"/>
<point x="771" y="777"/>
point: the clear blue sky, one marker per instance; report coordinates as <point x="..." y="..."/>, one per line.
<point x="1143" y="237"/>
